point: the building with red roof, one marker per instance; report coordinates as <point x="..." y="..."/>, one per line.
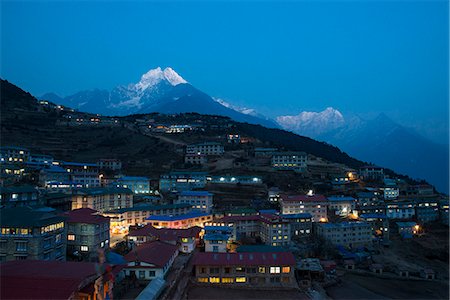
<point x="150" y="260"/>
<point x="37" y="279"/>
<point x="262" y="269"/>
<point x="316" y="205"/>
<point x="87" y="232"/>
<point x="186" y="239"/>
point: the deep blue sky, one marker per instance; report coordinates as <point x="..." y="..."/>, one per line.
<point x="281" y="58"/>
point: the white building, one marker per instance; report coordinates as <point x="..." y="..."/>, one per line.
<point x="150" y="260"/>
<point x="347" y="234"/>
<point x="296" y="161"/>
<point x="391" y="193"/>
<point x="341" y="205"/>
<point x="207" y="148"/>
<point x="201" y="200"/>
<point x="139" y="185"/>
<point x="400" y="210"/>
<point x="196" y="159"/>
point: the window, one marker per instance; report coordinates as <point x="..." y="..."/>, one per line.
<point x="214" y="270"/>
<point x="84" y="248"/>
<point x="227" y="280"/>
<point x="141" y="274"/>
<point x="214" y="279"/>
<point x="241" y="279"/>
<point x="251" y="270"/>
<point x="71" y="237"/>
<point x="152" y="273"/>
<point x="240" y="269"/>
<point x="203" y="279"/>
<point x="286" y="269"/>
<point x="262" y="269"/>
<point x="83" y="227"/>
<point x="227" y="270"/>
<point x="274" y="270"/>
<point x="58" y="238"/>
<point x="274" y="279"/>
<point x="21" y="246"/>
<point x="202" y="270"/>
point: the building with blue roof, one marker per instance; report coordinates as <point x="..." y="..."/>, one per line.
<point x="187" y="220"/>
<point x="407" y="229"/>
<point x="138" y="184"/>
<point x="301" y="224"/>
<point x="379" y="223"/>
<point x="341" y="205"/>
<point x="200" y="200"/>
<point x="218" y="238"/>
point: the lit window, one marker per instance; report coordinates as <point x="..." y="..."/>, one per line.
<point x="286" y="269"/>
<point x="84" y="248"/>
<point x="274" y="270"/>
<point x="214" y="279"/>
<point x="203" y="279"/>
<point x="227" y="280"/>
<point x="262" y="269"/>
<point x="241" y="279"/>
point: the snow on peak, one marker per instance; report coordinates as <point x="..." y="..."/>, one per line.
<point x="312" y="123"/>
<point x="155" y="76"/>
<point x="243" y="110"/>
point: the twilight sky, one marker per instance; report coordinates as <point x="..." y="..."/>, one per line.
<point x="361" y="57"/>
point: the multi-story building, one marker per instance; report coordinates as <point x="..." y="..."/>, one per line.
<point x="296" y="161"/>
<point x="122" y="219"/>
<point x="186" y="239"/>
<point x="191" y="219"/>
<point x="87" y="231"/>
<point x="109" y="164"/>
<point x="390" y="193"/>
<point x="367" y="198"/>
<point x="341" y="205"/>
<point x="150" y="260"/>
<point x="274" y="195"/>
<point x="316" y="205"/>
<point x="347" y="234"/>
<point x="138" y="184"/>
<point x="182" y="181"/>
<point x="217" y="238"/>
<point x="31" y="234"/>
<point x="201" y="200"/>
<point x="301" y="224"/>
<point x="372" y="209"/>
<point x="233" y="138"/>
<point x="102" y="198"/>
<point x="207" y="148"/>
<point x="275" y="230"/>
<point x="371" y="173"/>
<point x="427" y="210"/>
<point x="23" y="195"/>
<point x="86" y="174"/>
<point x="421" y="190"/>
<point x="234" y="179"/>
<point x="14" y="154"/>
<point x="196" y="159"/>
<point x="379" y="224"/>
<point x="52" y="175"/>
<point x="252" y="269"/>
<point x="400" y="210"/>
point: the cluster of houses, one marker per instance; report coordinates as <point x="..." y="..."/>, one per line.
<point x="70" y="218"/>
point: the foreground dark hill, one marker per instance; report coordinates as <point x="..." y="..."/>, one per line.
<point x="24" y="122"/>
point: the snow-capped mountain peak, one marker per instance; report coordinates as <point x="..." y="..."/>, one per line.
<point x="312" y="123"/>
<point x="155" y="76"/>
<point x="243" y="110"/>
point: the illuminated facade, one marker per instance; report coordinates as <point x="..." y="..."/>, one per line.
<point x="296" y="161"/>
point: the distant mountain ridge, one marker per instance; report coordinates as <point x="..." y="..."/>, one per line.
<point x="158" y="90"/>
<point x="379" y="140"/>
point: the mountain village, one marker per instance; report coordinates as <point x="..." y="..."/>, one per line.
<point x="218" y="213"/>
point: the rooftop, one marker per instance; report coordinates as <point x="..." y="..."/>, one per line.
<point x="196" y="193"/>
<point x="85" y="215"/>
<point x="27" y="217"/>
<point x="150" y="207"/>
<point x="133" y="178"/>
<point x="102" y="191"/>
<point x="244" y="259"/>
<point x="156" y="253"/>
<point x="340" y="198"/>
<point x="303" y="198"/>
<point x="260" y="248"/>
<point x="33" y="279"/>
<point x="166" y="234"/>
<point x="170" y="218"/>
